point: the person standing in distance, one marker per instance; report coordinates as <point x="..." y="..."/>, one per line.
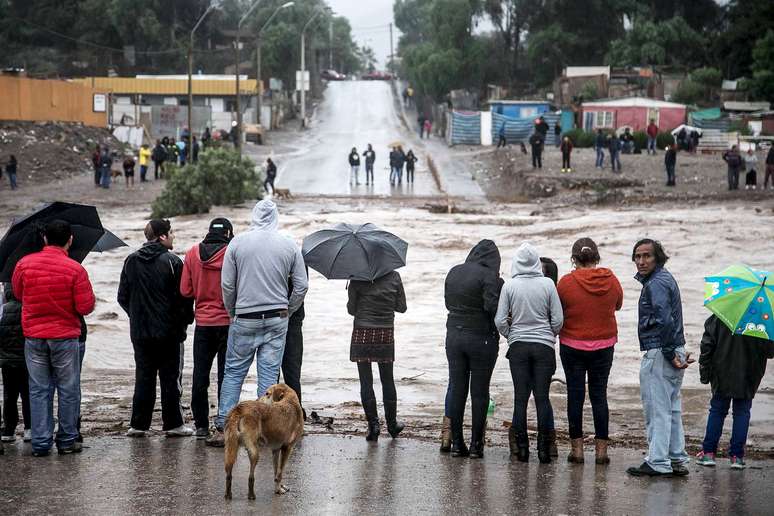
<point x="370" y="157"/>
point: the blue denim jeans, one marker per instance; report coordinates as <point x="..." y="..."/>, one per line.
<point x="660" y="386"/>
<point x="719" y="406"/>
<point x="615" y="161"/>
<point x="600" y="157"/>
<point x="263" y="339"/>
<point x="54" y="362"/>
<point x="651" y="145"/>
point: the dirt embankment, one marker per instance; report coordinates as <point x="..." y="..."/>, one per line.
<point x="48" y="151"/>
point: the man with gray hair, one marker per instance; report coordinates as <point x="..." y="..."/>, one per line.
<point x="254" y="281"/>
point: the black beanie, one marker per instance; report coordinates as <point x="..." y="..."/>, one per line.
<point x="221" y="225"/>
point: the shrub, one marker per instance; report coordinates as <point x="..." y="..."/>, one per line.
<point x="220" y="178"/>
<point x="580" y="138"/>
<point x="664" y="139"/>
<point x="640" y="139"/>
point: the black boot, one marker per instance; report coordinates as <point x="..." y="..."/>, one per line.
<point x="544" y="447"/>
<point x="519" y="444"/>
<point x="459" y="449"/>
<point x="477" y="440"/>
<point x="390" y="415"/>
<point x="369" y="406"/>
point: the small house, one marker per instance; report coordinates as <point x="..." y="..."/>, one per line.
<point x="632" y="112"/>
<point x="519" y="108"/>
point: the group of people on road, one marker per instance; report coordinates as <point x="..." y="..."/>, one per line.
<point x="246" y="294"/>
<point x="398" y="160"/>
<point x="748" y="163"/>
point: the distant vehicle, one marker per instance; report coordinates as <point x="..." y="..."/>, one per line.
<point x="376" y="75"/>
<point x="332" y="75"/>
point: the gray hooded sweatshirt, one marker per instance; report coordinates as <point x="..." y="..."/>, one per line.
<point x="258" y="264"/>
<point x="531" y="301"/>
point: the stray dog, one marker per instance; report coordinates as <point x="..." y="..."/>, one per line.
<point x="115" y="173"/>
<point x="274" y="420"/>
<point x="283" y="193"/>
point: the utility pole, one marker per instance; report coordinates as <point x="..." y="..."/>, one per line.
<point x="258" y="83"/>
<point x="238" y="132"/>
<point x="303" y="67"/>
<point x="330" y="43"/>
<point x="390" y="64"/>
<point x="213" y="5"/>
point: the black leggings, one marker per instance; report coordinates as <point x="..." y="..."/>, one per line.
<point x="577" y="364"/>
<point x="367" y="381"/>
<point x="532" y="366"/>
<point x="566" y="160"/>
<point x="15" y="386"/>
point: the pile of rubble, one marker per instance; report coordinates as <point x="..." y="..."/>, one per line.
<point x="49" y="151"/>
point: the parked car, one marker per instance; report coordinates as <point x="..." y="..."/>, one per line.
<point x="376" y="75"/>
<point x="332" y="75"/>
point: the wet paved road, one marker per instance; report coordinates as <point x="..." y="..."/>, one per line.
<point x="353" y="114"/>
<point x="347" y="475"/>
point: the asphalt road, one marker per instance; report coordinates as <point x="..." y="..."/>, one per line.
<point x="346" y="475"/>
<point x="352" y="114"/>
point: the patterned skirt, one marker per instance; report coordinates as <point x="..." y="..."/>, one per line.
<point x="372" y="345"/>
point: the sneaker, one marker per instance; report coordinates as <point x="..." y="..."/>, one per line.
<point x="8" y="438"/>
<point x="27" y="435"/>
<point x="180" y="431"/>
<point x="217" y="439"/>
<point x="679" y="470"/>
<point x="737" y="463"/>
<point x="41" y="453"/>
<point x="644" y="470"/>
<point x="705" y="459"/>
<point x="76" y="447"/>
<point x="202" y="433"/>
<point x="133" y="432"/>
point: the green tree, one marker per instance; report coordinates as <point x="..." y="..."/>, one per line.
<point x="763" y="67"/>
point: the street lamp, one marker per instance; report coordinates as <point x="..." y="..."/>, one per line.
<point x="238" y="138"/>
<point x="258" y="58"/>
<point x="212" y="6"/>
<point x="303" y="64"/>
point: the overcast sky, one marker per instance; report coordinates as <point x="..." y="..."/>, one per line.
<point x="370" y="21"/>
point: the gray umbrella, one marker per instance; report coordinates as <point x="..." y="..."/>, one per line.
<point x="354" y="252"/>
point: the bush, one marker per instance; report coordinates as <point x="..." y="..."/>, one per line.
<point x="689" y="92"/>
<point x="220" y="178"/>
<point x="664" y="139"/>
<point x="640" y="139"/>
<point x="580" y="138"/>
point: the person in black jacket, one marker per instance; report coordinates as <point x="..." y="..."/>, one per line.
<point x="536" y="144"/>
<point x="14" y="368"/>
<point x="769" y="169"/>
<point x="471" y="292"/>
<point x="293" y="355"/>
<point x="149" y="292"/>
<point x="410" y="161"/>
<point x="354" y="166"/>
<point x="670" y="161"/>
<point x="734" y="366"/>
<point x="373" y="304"/>
<point x="370" y="157"/>
<point x="271" y="175"/>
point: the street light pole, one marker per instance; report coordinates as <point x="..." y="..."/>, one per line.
<point x="212" y="6"/>
<point x="303" y="67"/>
<point x="259" y="84"/>
<point x="238" y="132"/>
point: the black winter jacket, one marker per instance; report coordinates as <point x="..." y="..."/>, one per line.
<point x="670" y="158"/>
<point x="732" y="364"/>
<point x="472" y="290"/>
<point x="354" y="159"/>
<point x="11" y="336"/>
<point x="149" y="292"/>
<point x="374" y="303"/>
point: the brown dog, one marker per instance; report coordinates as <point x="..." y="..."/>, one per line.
<point x="274" y="420"/>
<point x="282" y="193"/>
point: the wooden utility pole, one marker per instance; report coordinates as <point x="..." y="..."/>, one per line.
<point x="391" y="51"/>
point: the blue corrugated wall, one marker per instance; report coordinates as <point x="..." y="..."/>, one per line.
<point x="466" y="128"/>
<point x="520" y="129"/>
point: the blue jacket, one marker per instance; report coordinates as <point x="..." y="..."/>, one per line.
<point x="660" y="313"/>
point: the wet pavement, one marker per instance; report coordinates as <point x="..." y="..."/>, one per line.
<point x="347" y="475"/>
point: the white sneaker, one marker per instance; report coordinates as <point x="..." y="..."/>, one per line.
<point x="180" y="431"/>
<point x="133" y="432"/>
<point x="27" y="435"/>
<point x="8" y="438"/>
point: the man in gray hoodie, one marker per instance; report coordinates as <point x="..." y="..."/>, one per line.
<point x="529" y="315"/>
<point x="254" y="281"/>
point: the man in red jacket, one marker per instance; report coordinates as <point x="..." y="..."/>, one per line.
<point x="55" y="292"/>
<point x="652" y="132"/>
<point x="201" y="281"/>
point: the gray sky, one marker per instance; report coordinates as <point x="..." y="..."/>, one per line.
<point x="369" y="20"/>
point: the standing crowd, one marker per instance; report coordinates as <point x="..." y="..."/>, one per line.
<point x="399" y="160"/>
<point x="246" y="294"/>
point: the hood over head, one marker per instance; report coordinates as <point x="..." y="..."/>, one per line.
<point x="595" y="281"/>
<point x="150" y="251"/>
<point x="485" y="253"/>
<point x="265" y="216"/>
<point x="526" y="262"/>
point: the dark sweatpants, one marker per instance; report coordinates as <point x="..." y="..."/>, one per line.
<point x="472" y="356"/>
<point x="209" y="342"/>
<point x="156" y="357"/>
<point x="293" y="356"/>
<point x="532" y="366"/>
<point x="577" y="364"/>
<point x="366" y="375"/>
<point x="15" y="385"/>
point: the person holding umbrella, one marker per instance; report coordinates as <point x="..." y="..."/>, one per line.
<point x="366" y="256"/>
<point x="54" y="291"/>
<point x="734" y="362"/>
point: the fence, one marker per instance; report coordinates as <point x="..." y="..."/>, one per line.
<point x="465" y="128"/>
<point x="520" y="129"/>
<point x="49" y="100"/>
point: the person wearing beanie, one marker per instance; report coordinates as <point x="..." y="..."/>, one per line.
<point x="529" y="315"/>
<point x="590" y="296"/>
<point x="201" y="282"/>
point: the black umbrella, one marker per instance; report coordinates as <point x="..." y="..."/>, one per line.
<point x="24" y="235"/>
<point x="107" y="242"/>
<point x="354" y="252"/>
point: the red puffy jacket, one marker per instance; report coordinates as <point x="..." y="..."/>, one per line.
<point x="54" y="291"/>
<point x="201" y="281"/>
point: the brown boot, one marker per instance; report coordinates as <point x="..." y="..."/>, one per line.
<point x="576" y="453"/>
<point x="601" y="451"/>
<point x="553" y="451"/>
<point x="446" y="435"/>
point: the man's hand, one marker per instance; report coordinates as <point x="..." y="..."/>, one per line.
<point x="682" y="365"/>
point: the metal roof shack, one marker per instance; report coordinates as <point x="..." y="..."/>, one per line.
<point x="212" y="86"/>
